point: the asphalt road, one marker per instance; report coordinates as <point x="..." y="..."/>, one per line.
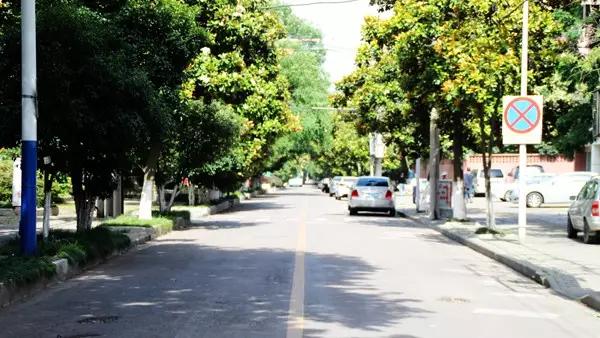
<point x="295" y="264"/>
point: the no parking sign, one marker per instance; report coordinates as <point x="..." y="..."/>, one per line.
<point x="522" y="119"/>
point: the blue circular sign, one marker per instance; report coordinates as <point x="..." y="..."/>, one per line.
<point x="522" y="115"/>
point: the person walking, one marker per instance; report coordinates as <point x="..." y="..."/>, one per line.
<point x="469" y="189"/>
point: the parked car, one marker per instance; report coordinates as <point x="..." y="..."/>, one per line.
<point x="554" y="189"/>
<point x="295" y="182"/>
<point x="584" y="212"/>
<point x="496" y="180"/>
<point x="371" y="193"/>
<point x="343" y="188"/>
<point x="532" y="169"/>
<point x="512" y="179"/>
<point x="324" y="184"/>
<point x="333" y="183"/>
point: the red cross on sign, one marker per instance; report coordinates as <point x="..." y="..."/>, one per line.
<point x="522" y="119"/>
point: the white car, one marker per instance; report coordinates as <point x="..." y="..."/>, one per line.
<point x="584" y="212"/>
<point x="344" y="186"/>
<point x="295" y="182"/>
<point x="496" y="180"/>
<point x="559" y="189"/>
<point x="372" y="194"/>
<point x="334" y="181"/>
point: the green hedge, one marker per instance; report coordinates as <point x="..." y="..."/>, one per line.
<point x="77" y="248"/>
<point x="162" y="224"/>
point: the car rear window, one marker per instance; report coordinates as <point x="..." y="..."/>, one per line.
<point x="496" y="173"/>
<point x="372" y="182"/>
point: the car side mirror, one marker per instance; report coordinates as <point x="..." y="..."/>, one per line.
<point x="572" y="198"/>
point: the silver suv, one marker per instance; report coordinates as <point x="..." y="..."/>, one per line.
<point x="584" y="212"/>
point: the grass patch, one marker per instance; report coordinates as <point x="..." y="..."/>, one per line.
<point x="78" y="248"/>
<point x="486" y="230"/>
<point x="173" y="214"/>
<point x="162" y="224"/>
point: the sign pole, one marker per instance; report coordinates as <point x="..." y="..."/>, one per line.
<point x="523" y="147"/>
<point x="27" y="224"/>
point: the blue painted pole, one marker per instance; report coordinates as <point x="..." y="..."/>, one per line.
<point x="27" y="225"/>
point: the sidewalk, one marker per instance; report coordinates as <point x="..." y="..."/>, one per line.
<point x="547" y="256"/>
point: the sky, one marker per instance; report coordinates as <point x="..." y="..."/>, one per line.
<point x="340" y="24"/>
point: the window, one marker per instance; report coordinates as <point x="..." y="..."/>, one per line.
<point x="496" y="173"/>
<point x="589" y="191"/>
<point x="372" y="182"/>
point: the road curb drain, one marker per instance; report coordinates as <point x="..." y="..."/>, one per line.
<point x="98" y="320"/>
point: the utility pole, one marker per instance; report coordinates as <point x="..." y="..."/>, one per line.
<point x="28" y="128"/>
<point x="523" y="147"/>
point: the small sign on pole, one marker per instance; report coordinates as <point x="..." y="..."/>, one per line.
<point x="522" y="119"/>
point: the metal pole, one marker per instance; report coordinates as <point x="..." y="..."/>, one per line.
<point x="522" y="147"/>
<point x="28" y="128"/>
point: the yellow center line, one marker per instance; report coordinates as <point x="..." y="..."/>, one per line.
<point x="295" y="324"/>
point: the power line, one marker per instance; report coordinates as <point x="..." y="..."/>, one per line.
<point x="313" y="3"/>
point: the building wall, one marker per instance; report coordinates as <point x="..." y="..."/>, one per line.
<point x="506" y="162"/>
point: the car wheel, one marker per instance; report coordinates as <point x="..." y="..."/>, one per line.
<point x="534" y="200"/>
<point x="352" y="212"/>
<point x="392" y="212"/>
<point x="589" y="237"/>
<point x="507" y="196"/>
<point x="571" y="232"/>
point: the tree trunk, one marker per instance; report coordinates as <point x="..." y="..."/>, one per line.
<point x="47" y="204"/>
<point x="459" y="207"/>
<point x="191" y="195"/>
<point x="434" y="159"/>
<point x="145" y="211"/>
<point x="488" y="147"/>
<point x="165" y="206"/>
<point x="84" y="202"/>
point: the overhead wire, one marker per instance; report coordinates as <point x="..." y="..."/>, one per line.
<point x="313" y="4"/>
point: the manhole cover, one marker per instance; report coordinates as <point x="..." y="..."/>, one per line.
<point x="453" y="300"/>
<point x="98" y="320"/>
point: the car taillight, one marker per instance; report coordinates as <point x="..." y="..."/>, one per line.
<point x="388" y="195"/>
<point x="596" y="208"/>
<point x="354" y="193"/>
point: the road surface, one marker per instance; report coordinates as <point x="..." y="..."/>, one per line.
<point x="294" y="264"/>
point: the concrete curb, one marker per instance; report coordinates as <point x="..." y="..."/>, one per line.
<point x="527" y="269"/>
<point x="10" y="294"/>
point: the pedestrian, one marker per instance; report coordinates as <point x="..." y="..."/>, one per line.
<point x="468" y="180"/>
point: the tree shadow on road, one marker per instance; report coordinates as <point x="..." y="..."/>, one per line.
<point x="221" y="224"/>
<point x="178" y="288"/>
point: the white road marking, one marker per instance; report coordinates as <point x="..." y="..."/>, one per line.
<point x="515" y="313"/>
<point x="262" y="220"/>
